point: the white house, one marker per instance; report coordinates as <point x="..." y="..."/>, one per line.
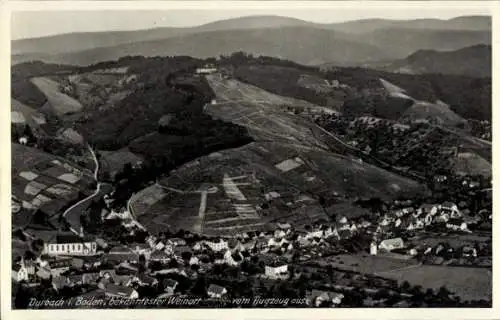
<point x="20" y="272"/>
<point x="23" y="140"/>
<point x="275" y="268"/>
<point x="194" y="260"/>
<point x="391" y="244"/>
<point x="71" y="245"/>
<point x="228" y="258"/>
<point x="216" y="292"/>
<point x="206" y="70"/>
<point x="272" y="195"/>
<point x="457" y="225"/>
<point x="279" y="233"/>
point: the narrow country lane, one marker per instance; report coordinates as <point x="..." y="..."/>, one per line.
<point x="73" y="213"/>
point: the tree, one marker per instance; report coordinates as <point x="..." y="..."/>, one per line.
<point x="186" y="255"/>
<point x="405" y="285"/>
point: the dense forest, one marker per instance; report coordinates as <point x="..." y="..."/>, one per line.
<point x="469" y="97"/>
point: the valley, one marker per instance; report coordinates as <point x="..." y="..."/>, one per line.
<point x="259" y="156"/>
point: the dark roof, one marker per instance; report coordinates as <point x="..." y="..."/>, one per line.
<point x="60" y="263"/>
<point x="455" y="221"/>
<point x="159" y="255"/>
<point x="448" y="204"/>
<point x="72" y="238"/>
<point x="147" y="279"/>
<point x="169" y="283"/>
<point x="273" y="260"/>
<point x="344" y="233"/>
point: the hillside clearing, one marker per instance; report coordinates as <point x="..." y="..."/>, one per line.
<point x="62" y="103"/>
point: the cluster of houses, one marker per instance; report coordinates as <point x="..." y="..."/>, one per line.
<point x="115" y="269"/>
<point x="410" y="218"/>
<point x="72" y="252"/>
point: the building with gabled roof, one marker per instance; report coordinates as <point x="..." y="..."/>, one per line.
<point x="216" y="292"/>
<point x="391" y="244"/>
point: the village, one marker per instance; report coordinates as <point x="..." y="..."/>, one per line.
<point x="184" y="264"/>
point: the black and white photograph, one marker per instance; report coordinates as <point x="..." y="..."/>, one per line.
<point x="273" y="157"/>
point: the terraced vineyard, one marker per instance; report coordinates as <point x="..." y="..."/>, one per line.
<point x="228" y="191"/>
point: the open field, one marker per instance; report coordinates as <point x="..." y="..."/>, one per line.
<point x="233" y="90"/>
<point x="421" y="110"/>
<point x="467" y="283"/>
<point x="364" y="263"/>
<point x="454" y="240"/>
<point x="31" y="117"/>
<point x="62" y="103"/>
<point x="468" y="163"/>
<point x="442" y="113"/>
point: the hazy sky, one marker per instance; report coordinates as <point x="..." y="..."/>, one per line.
<point x="28" y="24"/>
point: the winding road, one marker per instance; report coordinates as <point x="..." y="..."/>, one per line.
<point x="73" y="213"/>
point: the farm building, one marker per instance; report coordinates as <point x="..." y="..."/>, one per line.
<point x="207" y="69"/>
<point x="216" y="291"/>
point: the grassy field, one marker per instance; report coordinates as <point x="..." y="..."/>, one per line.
<point x="33" y="118"/>
<point x="469" y="163"/>
<point x="364" y="263"/>
<point x="467" y="283"/>
<point x="442" y="113"/>
<point x="456" y="240"/>
<point x="62" y="103"/>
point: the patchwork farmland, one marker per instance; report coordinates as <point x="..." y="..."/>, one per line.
<point x="42" y="181"/>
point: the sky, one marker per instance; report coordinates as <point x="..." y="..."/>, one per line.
<point x="32" y="24"/>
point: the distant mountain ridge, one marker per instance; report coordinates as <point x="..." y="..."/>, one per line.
<point x="472" y="61"/>
<point x="347" y="43"/>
